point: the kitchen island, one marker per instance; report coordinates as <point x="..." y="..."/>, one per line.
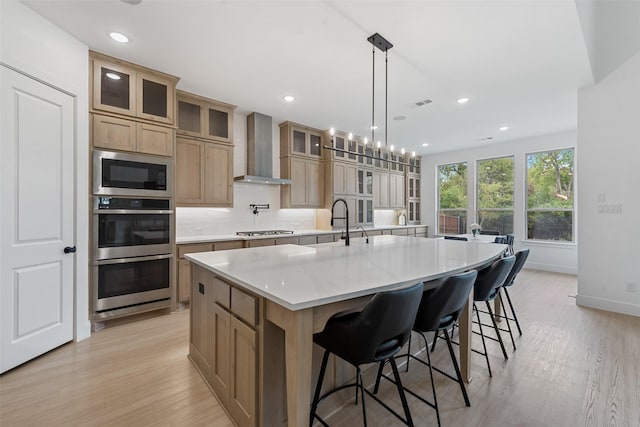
<point x="254" y="312"/>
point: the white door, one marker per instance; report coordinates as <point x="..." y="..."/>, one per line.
<point x="36" y="218"/>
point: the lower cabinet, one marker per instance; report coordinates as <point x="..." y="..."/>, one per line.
<point x="183" y="283"/>
<point x="224" y="341"/>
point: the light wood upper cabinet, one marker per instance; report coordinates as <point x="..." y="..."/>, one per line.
<point x="218" y="175"/>
<point x="381" y="190"/>
<point x="205" y="118"/>
<point x="396" y="191"/>
<point x="204" y="173"/>
<point x="115" y="133"/>
<point x="305" y="190"/>
<point x="128" y="89"/>
<point x="189" y="170"/>
<point x="300" y="152"/>
<point x="300" y="140"/>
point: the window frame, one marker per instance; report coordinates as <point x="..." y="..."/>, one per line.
<point x="526" y="209"/>
<point x="438" y="208"/>
<point x="513" y="191"/>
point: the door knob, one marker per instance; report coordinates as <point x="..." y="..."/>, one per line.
<point x="70" y="250"/>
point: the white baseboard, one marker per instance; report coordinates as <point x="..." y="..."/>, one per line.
<point x="553" y="268"/>
<point x="83" y="331"/>
<point x="608" y="305"/>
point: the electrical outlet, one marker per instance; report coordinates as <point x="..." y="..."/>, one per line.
<point x="631" y="287"/>
<point x="610" y="209"/>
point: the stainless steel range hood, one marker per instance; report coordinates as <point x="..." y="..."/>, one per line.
<point x="260" y="152"/>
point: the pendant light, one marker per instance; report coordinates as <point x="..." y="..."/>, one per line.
<point x="384" y="45"/>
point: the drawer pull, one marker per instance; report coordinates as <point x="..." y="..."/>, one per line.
<point x="201" y="288"/>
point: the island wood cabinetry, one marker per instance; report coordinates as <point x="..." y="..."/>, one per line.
<point x="183" y="266"/>
<point x="300" y="161"/>
<point x="204" y="152"/>
<point x="223" y="343"/>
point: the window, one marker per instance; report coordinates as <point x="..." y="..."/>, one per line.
<point x="495" y="195"/>
<point x="452" y="198"/>
<point x="550" y="195"/>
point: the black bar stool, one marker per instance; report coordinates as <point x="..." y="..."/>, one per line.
<point x="485" y="290"/>
<point x="374" y="334"/>
<point x="440" y="308"/>
<point x="521" y="258"/>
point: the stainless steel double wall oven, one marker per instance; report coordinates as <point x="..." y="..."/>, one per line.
<point x="133" y="233"/>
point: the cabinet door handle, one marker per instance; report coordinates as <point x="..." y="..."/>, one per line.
<point x="201" y="288"/>
<point x="70" y="250"/>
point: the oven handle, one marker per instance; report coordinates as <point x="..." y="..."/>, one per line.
<point x="134" y="259"/>
<point x="129" y="211"/>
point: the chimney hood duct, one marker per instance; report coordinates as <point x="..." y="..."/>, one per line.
<point x="260" y="152"/>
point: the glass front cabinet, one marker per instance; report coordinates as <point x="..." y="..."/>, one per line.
<point x="205" y="118"/>
<point x="131" y="90"/>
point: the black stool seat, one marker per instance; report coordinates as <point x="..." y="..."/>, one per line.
<point x="486" y="288"/>
<point x="440" y="308"/>
<point x="374" y="334"/>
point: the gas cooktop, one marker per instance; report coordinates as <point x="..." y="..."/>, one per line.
<point x="263" y="232"/>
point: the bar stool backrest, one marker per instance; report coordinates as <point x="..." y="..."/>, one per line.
<point x="491" y="278"/>
<point x="375" y="333"/>
<point x="521" y="258"/>
<point x="441" y="307"/>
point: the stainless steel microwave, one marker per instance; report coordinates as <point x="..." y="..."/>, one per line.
<point x="125" y="174"/>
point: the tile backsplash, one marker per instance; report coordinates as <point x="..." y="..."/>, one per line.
<point x="210" y="221"/>
<point x="213" y="221"/>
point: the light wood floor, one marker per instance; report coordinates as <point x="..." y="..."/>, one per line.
<point x="573" y="367"/>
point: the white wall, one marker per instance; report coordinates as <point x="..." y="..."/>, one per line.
<point x="36" y="47"/>
<point x="551" y="256"/>
<point x="609" y="139"/>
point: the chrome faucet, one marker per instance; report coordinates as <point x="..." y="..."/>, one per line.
<point x="345" y="217"/>
<point x="365" y="233"/>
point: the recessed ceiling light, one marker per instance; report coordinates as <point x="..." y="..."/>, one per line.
<point x="463" y="100"/>
<point x="425" y="144"/>
<point x="288" y="98"/>
<point x="503" y="128"/>
<point x="113" y="76"/>
<point x="374" y="127"/>
<point x="119" y="37"/>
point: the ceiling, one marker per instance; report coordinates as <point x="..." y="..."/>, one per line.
<point x="520" y="62"/>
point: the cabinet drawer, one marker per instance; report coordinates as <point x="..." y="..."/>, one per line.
<point x="287" y="241"/>
<point x="420" y="230"/>
<point x="325" y="238"/>
<point x="221" y="292"/>
<point x="307" y="240"/>
<point x="400" y="232"/>
<point x="193" y="248"/>
<point x="244" y="306"/>
<point x="260" y="242"/>
<point x="232" y="244"/>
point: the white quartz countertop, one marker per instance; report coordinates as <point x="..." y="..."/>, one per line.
<point x="181" y="240"/>
<point x="299" y="277"/>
